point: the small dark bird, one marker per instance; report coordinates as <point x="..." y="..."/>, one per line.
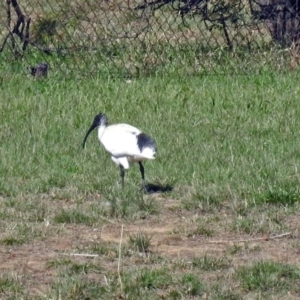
<point x="41" y="70"/>
<point x="125" y="143"/>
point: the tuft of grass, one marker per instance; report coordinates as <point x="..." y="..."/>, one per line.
<point x="263" y="221"/>
<point x="74" y="216"/>
<point x="39" y="214"/>
<point x="148" y="205"/>
<point x="287" y="195"/>
<point x="235" y="249"/>
<point x="12" y="241"/>
<point x="192" y="285"/>
<point x="105" y="249"/>
<point x="22" y="233"/>
<point x="204" y="230"/>
<point x="140" y="241"/>
<point x="10" y="286"/>
<point x="83" y="268"/>
<point x="207" y="203"/>
<point x="77" y="288"/>
<point x="136" y="283"/>
<point x="127" y="203"/>
<point x="56" y="263"/>
<point x="223" y="293"/>
<point x="268" y="276"/>
<point x="210" y="263"/>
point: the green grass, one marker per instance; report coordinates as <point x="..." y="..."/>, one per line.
<point x="208" y="263"/>
<point x="223" y="138"/>
<point x="10" y="285"/>
<point x="268" y="276"/>
<point x="227" y="145"/>
<point x="69" y="216"/>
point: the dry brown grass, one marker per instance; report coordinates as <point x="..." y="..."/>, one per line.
<point x="175" y="240"/>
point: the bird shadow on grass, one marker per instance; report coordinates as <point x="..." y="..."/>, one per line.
<point x="152" y="188"/>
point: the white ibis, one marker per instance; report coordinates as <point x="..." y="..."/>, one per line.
<point x="125" y="143"/>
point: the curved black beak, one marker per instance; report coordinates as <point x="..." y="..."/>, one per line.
<point x="93" y="126"/>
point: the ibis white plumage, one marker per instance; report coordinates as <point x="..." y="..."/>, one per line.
<point x="125" y="143"/>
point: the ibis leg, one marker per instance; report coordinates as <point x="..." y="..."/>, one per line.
<point x="143" y="174"/>
<point x="122" y="173"/>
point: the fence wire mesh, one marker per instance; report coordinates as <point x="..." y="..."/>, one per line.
<point x="140" y="37"/>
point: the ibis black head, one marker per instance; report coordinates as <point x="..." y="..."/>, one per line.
<point x="99" y="120"/>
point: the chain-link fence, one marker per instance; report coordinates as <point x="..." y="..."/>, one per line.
<point x="146" y="36"/>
